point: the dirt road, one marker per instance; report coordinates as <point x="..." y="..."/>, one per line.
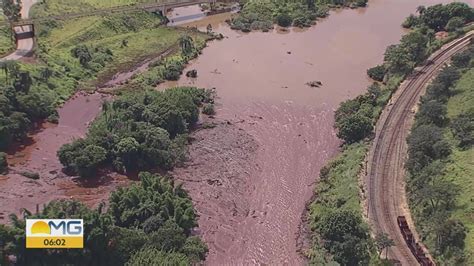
<point x="386" y="173"/>
<point x="24" y="46"/>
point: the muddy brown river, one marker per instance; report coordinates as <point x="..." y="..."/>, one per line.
<point x="252" y="174"/>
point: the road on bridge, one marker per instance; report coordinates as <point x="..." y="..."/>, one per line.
<point x="24" y="46"/>
<point x="386" y="172"/>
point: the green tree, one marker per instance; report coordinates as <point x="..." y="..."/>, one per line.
<point x="345" y="237"/>
<point x="376" y="73"/>
<point x="383" y="242"/>
<point x="89" y="161"/>
<point x="82" y="53"/>
<point x="354" y="128"/>
<point x="451" y="234"/>
<point x="187" y="44"/>
<point x="153" y="256"/>
<point x="461" y="59"/>
<point x="463" y="129"/>
<point x="195" y="249"/>
<point x="432" y="112"/>
<point x="123" y="243"/>
<point x="454" y="23"/>
<point x="169" y="237"/>
<point x="12" y="9"/>
<point x="421" y="9"/>
<point x="425" y="144"/>
<point x="128" y="150"/>
<point x="398" y="60"/>
<point x="283" y="20"/>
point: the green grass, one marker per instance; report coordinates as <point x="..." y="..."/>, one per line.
<point x="341" y="188"/>
<point x="460" y="168"/>
<point x="142" y="31"/>
<point x="59" y="7"/>
<point x="338" y="190"/>
<point x="6" y="43"/>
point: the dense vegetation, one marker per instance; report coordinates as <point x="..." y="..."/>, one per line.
<point x="22" y="101"/>
<point x="433" y="190"/>
<point x="337" y="201"/>
<point x="355" y="117"/>
<point x="81" y="53"/>
<point x="137" y="131"/>
<point x="148" y="223"/>
<point x="261" y="15"/>
<point x="335" y="213"/>
<point x="449" y="17"/>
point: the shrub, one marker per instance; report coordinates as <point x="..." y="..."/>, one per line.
<point x="208" y="109"/>
<point x="462" y="59"/>
<point x="354" y="128"/>
<point x="283" y="20"/>
<point x="463" y="129"/>
<point x="376" y="73"/>
<point x="410" y="22"/>
<point x="454" y="23"/>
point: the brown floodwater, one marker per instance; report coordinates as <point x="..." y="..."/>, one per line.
<point x="260" y="80"/>
<point x="38" y="155"/>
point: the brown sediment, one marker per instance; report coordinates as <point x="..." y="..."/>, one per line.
<point x="260" y="79"/>
<point x="38" y="155"/>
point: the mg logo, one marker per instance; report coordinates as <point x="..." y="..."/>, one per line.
<point x="54" y="233"/>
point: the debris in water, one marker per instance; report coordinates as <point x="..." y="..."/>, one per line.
<point x="192" y="73"/>
<point x="315" y="83"/>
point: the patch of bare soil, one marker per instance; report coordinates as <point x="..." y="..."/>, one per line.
<point x="250" y="179"/>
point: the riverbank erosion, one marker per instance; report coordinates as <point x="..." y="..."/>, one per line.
<point x="38" y="155"/>
<point x="263" y="91"/>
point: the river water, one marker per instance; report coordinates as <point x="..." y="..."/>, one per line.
<point x="260" y="79"/>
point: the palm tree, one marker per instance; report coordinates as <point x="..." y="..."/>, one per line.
<point x="382" y="241"/>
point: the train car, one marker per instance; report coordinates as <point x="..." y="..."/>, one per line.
<point x="414" y="247"/>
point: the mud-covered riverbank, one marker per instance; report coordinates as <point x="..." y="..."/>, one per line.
<point x="260" y="79"/>
<point x="249" y="178"/>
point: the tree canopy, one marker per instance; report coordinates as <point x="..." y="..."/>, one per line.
<point x="117" y="236"/>
<point x="137" y="131"/>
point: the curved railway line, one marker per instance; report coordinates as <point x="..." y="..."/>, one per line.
<point x="385" y="178"/>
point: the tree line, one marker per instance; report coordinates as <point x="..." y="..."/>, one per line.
<point x="432" y="195"/>
<point x="261" y="15"/>
<point x="449" y="17"/>
<point x="335" y="214"/>
<point x="355" y="118"/>
<point x="148" y="223"/>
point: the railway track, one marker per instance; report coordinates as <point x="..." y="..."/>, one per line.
<point x="385" y="179"/>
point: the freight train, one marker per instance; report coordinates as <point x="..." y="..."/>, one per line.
<point x="415" y="248"/>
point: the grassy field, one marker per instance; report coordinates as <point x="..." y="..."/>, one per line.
<point x="130" y="38"/>
<point x="460" y="168"/>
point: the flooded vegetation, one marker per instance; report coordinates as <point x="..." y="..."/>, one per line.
<point x="260" y="79"/>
